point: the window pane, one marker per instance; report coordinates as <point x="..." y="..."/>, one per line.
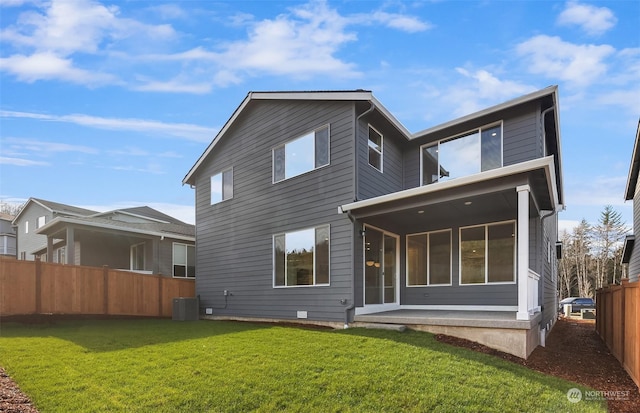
<point x="472" y="246"/>
<point x="375" y="149"/>
<point x="417" y="259"/>
<point x="440" y="258"/>
<point x="299" y="247"/>
<point x="216" y="188"/>
<point x="279" y="259"/>
<point x="299" y="156"/>
<point x="322" y="147"/>
<point x="179" y="254"/>
<point x="460" y="156"/>
<point x="322" y="255"/>
<point x="227" y="182"/>
<point x="191" y="261"/>
<point x="179" y="271"/>
<point x="430" y="169"/>
<point x="501" y="250"/>
<point x="491" y="148"/>
<point x="278" y="164"/>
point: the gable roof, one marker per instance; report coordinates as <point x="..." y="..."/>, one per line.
<point x="145" y="212"/>
<point x="632" y="179"/>
<point x="56" y="208"/>
<point x="339" y="95"/>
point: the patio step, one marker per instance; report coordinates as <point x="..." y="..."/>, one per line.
<point x="380" y="326"/>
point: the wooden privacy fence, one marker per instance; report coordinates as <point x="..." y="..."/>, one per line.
<point x="34" y="287"/>
<point x="618" y="324"/>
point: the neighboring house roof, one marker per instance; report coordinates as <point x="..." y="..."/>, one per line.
<point x="549" y="93"/>
<point x="56" y="207"/>
<point x="632" y="179"/>
<point x="6" y="217"/>
<point x="144" y="212"/>
<point x="182" y="231"/>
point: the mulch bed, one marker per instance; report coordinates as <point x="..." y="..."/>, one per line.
<point x="574" y="352"/>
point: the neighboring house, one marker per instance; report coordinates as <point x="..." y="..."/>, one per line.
<point x="7" y="236"/>
<point x="631" y="255"/>
<point x="322" y="206"/>
<point x="138" y="239"/>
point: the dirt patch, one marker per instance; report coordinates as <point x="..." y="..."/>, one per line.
<point x="11" y="398"/>
<point x="575" y="352"/>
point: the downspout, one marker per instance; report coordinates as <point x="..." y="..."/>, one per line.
<point x="355" y="198"/>
<point x="544" y="129"/>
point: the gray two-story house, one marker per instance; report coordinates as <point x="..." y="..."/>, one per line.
<point x="631" y="252"/>
<point x="322" y="207"/>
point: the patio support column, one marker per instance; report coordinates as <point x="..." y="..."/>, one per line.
<point x="50" y="248"/>
<point x="70" y="253"/>
<point x="523" y="252"/>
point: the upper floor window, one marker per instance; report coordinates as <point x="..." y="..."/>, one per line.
<point x="26" y="227"/>
<point x="375" y="148"/>
<point x="301" y="257"/>
<point x="41" y="222"/>
<point x="184" y="260"/>
<point x="471" y="153"/>
<point x="222" y="186"/>
<point x="488" y="253"/>
<point x="301" y="155"/>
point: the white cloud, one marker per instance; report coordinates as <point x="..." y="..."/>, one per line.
<point x="20" y="162"/>
<point x="175" y="86"/>
<point x="402" y="22"/>
<point x="593" y="20"/>
<point x="44" y="66"/>
<point x="479" y="89"/>
<point x="181" y="130"/>
<point x="572" y="63"/>
<point x="45" y="148"/>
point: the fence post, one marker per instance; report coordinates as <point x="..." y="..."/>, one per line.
<point x="625" y="285"/>
<point x="105" y="284"/>
<point x="38" y="292"/>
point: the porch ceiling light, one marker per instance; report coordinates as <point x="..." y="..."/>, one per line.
<point x="421" y="212"/>
<point x="468" y="203"/>
<point x="370" y="263"/>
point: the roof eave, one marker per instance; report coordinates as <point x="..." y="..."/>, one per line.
<point x="541" y="163"/>
<point x="634" y="168"/>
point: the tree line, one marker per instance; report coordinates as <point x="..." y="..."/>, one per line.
<point x="592" y="255"/>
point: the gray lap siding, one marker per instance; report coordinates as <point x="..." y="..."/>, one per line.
<point x="235" y="237"/>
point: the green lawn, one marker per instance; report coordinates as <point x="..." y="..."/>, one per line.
<point x="161" y="365"/>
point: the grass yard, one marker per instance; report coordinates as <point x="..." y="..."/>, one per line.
<point x="161" y="365"/>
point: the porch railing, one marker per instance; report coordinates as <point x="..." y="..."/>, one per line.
<point x="532" y="287"/>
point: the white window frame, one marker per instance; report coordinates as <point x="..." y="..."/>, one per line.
<point x="313" y="131"/>
<point x="131" y="257"/>
<point x="186" y="257"/>
<point x="273" y="258"/>
<point x="450" y="231"/>
<point x="460" y="135"/>
<point x="379" y="152"/>
<point x="26" y="227"/>
<point x="223" y="195"/>
<point x="486" y="250"/>
<point x="41" y="221"/>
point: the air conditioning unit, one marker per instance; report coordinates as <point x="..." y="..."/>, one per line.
<point x="185" y="309"/>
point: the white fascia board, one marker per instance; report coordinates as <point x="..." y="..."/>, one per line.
<point x="541" y="163"/>
<point x="119" y="211"/>
<point x="551" y="90"/>
<point x="67" y="220"/>
<point x="634" y="167"/>
<point x="26" y="205"/>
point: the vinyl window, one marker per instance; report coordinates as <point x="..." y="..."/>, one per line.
<point x="429" y="258"/>
<point x="375" y="145"/>
<point x="301" y="258"/>
<point x="184" y="260"/>
<point x="301" y="155"/>
<point x="222" y="186"/>
<point x="488" y="253"/>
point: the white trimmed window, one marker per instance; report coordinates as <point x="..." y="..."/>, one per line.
<point x="488" y="253"/>
<point x="26" y="227"/>
<point x="301" y="258"/>
<point x="301" y="155"/>
<point x="429" y="258"/>
<point x="375" y="148"/>
<point x="471" y="153"/>
<point x="222" y="186"/>
<point x="137" y="257"/>
<point x="41" y="221"/>
<point x="184" y="260"/>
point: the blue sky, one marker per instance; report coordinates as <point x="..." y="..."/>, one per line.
<point x="108" y="104"/>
